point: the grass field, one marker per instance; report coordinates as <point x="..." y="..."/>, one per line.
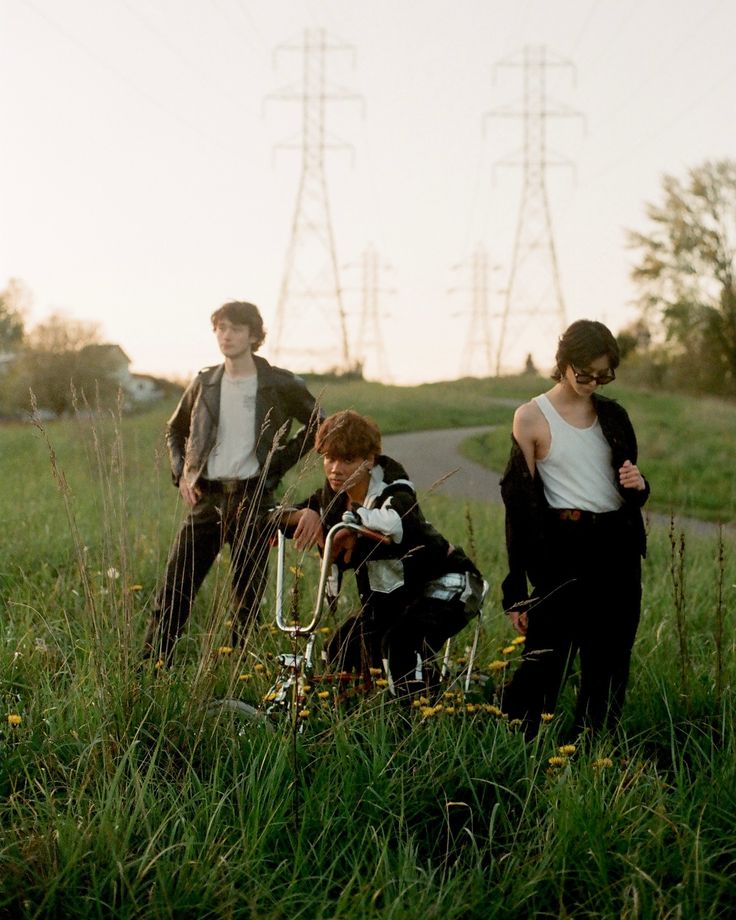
<point x="119" y="798"/>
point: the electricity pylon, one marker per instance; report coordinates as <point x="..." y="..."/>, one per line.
<point x="369" y="347"/>
<point x="534" y="308"/>
<point x="311" y="330"/>
<point x="477" y="353"/>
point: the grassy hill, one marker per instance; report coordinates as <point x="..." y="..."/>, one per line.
<point x="119" y="797"/>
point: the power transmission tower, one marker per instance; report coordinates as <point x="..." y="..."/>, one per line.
<point x="477" y="352"/>
<point x="369" y="347"/>
<point x="310" y="315"/>
<point x="534" y="309"/>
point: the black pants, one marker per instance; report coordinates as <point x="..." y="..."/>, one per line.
<point x="595" y="616"/>
<point x="397" y="635"/>
<point x="234" y="519"/>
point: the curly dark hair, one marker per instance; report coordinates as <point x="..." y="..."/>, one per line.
<point x="582" y="342"/>
<point x="242" y="314"/>
<point x="347" y="434"/>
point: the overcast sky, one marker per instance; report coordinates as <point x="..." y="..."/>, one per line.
<point x="142" y="184"/>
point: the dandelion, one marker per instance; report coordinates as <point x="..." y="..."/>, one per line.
<point x="14" y="719"/>
<point x="159" y="664"/>
<point x="557" y="761"/>
<point x="423" y="701"/>
<point x="498" y="665"/>
<point x="323" y="694"/>
<point x="547" y="716"/>
<point x="259" y="667"/>
<point x="519" y="640"/>
<point x="509" y="650"/>
<point x="270" y="697"/>
<point x="324" y="630"/>
<point x="567" y="749"/>
<point x="381" y="682"/>
<point x="306" y="688"/>
<point x="296" y="571"/>
<point x="134" y="588"/>
<point x="602" y="762"/>
<point x="492" y="710"/>
<point x="225" y="650"/>
<point x="245" y="677"/>
<point x="450" y="710"/>
<point x="427" y="711"/>
<point x="471" y="707"/>
<point x="228" y="623"/>
<point x="375" y="672"/>
<point x="304" y="713"/>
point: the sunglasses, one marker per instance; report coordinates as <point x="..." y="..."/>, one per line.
<point x="600" y="379"/>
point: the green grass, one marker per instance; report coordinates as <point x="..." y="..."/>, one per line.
<point x="119" y="798"/>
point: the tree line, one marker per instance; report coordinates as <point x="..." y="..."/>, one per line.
<point x="59" y="362"/>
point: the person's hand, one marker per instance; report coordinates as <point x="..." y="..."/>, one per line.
<point x="308" y="531"/>
<point x="630" y="477"/>
<point x="520" y="621"/>
<point x="190" y="494"/>
<point x="344" y="543"/>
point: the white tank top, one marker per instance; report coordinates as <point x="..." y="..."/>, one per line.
<point x="577" y="472"/>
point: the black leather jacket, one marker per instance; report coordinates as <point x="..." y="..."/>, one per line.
<point x="523" y="497"/>
<point x="281" y="396"/>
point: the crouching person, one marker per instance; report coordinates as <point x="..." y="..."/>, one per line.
<point x="416" y="589"/>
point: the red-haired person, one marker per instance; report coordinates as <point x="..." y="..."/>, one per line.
<point x="416" y="590"/>
<point x="574" y="531"/>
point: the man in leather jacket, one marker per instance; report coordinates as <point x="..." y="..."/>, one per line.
<point x="229" y="446"/>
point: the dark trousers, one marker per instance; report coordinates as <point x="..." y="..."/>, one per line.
<point x="594" y="617"/>
<point x="216" y="520"/>
<point x="397" y="635"/>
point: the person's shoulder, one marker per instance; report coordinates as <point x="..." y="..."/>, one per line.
<point x="276" y="374"/>
<point x="528" y="415"/>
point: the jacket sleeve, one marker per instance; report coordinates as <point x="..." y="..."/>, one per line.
<point x="299" y="404"/>
<point x="177" y="431"/>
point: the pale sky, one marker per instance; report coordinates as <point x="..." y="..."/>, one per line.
<point x="141" y="186"/>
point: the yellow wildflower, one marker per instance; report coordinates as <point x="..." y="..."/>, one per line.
<point x="306" y="688"/>
<point x="135" y="588"/>
<point x="519" y="640"/>
<point x="423" y="701"/>
<point x="159" y="664"/>
<point x="225" y="650"/>
<point x="557" y="761"/>
<point x="471" y="707"/>
<point x="510" y="649"/>
<point x="547" y="716"/>
<point x="324" y="629"/>
<point x="381" y="682"/>
<point x="427" y="711"/>
<point x="245" y="677"/>
<point x="450" y="710"/>
<point x="303" y="713"/>
<point x="270" y="697"/>
<point x="259" y="667"/>
<point x="374" y="672"/>
<point x="14" y="718"/>
<point x="498" y="665"/>
<point x="514" y="723"/>
<point x="602" y="762"/>
<point x="296" y="571"/>
<point x="323" y="694"/>
<point x="567" y="749"/>
<point x="228" y="623"/>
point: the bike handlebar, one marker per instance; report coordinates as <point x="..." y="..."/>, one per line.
<point x="324" y="573"/>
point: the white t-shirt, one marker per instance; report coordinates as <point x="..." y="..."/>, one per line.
<point x="233" y="456"/>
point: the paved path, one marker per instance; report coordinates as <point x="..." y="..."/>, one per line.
<point x="434" y="463"/>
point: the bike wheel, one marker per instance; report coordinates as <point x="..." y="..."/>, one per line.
<point x="240" y="713"/>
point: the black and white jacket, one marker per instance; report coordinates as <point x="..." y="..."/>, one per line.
<point x="394" y="574"/>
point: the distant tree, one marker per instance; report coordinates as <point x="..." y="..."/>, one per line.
<point x="13" y="303"/>
<point x="64" y="355"/>
<point x="687" y="273"/>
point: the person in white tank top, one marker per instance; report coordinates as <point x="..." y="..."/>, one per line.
<point x="573" y="493"/>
